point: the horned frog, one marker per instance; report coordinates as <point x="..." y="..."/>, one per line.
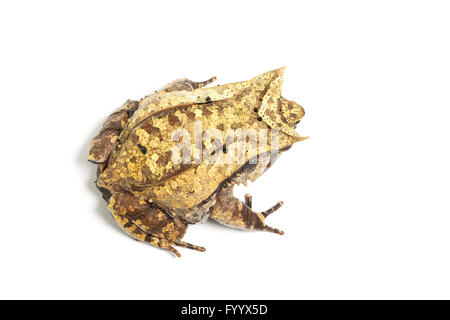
<point x="152" y="195"/>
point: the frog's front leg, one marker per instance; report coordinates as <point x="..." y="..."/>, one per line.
<point x="148" y="223"/>
<point x="186" y="84"/>
<point x="101" y="146"/>
<point x="234" y="213"/>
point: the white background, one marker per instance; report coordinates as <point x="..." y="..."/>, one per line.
<point x="366" y="213"/>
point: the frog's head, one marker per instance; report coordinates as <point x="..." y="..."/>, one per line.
<point x="290" y="112"/>
<point x="276" y="111"/>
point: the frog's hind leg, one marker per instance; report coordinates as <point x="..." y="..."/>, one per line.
<point x="149" y="224"/>
<point x="101" y="146"/>
<point x="186" y="84"/>
<point x="234" y="213"/>
<point x="141" y="235"/>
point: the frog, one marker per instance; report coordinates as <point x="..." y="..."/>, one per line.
<point x="153" y="196"/>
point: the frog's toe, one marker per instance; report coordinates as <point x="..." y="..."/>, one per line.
<point x="189" y="246"/>
<point x="274" y="230"/>
<point x="203" y="83"/>
<point x="186" y="84"/>
<point x="266" y="213"/>
<point x="273" y="209"/>
<point x="174" y="251"/>
<point x="248" y="200"/>
<point x="248" y="203"/>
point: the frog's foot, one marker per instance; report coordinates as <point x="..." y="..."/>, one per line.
<point x="248" y="203"/>
<point x="234" y="213"/>
<point x="186" y="84"/>
<point x="273" y="209"/>
<point x="148" y="223"/>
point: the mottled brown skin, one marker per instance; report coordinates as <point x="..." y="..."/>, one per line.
<point x="154" y="199"/>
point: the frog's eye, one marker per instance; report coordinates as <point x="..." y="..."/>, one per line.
<point x="142" y="148"/>
<point x="270" y="106"/>
<point x="292" y="112"/>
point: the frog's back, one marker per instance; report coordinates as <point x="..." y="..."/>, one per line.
<point x="145" y="164"/>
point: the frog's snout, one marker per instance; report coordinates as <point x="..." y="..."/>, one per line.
<point x="291" y="112"/>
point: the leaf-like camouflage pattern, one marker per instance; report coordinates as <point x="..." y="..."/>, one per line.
<point x="140" y="167"/>
<point x="175" y="187"/>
